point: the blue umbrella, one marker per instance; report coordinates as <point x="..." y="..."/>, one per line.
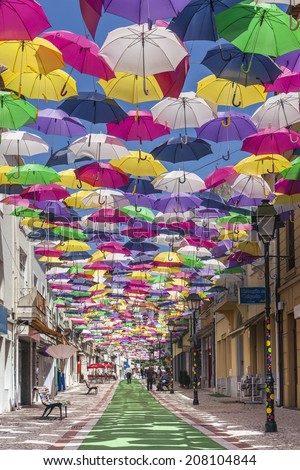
<point x="212" y="200"/>
<point x="175" y="150"/>
<point x="197" y="19"/>
<point x="42" y="234"/>
<point x="93" y="107"/>
<point x="240" y="67"/>
<point x="141" y="246"/>
<point x="64" y="156"/>
<point x="140" y="186"/>
<point x="73" y="256"/>
<point x="10" y="189"/>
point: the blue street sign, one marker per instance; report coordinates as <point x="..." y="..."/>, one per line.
<point x="3" y="319"/>
<point x="252" y="295"/>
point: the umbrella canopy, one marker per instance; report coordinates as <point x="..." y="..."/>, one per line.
<point x="99" y="147"/>
<point x="179" y="181"/>
<point x="38" y="86"/>
<point x="22" y="143"/>
<point x="252" y="186"/>
<point x="262" y="164"/>
<point x="292" y="173"/>
<point x="72" y="246"/>
<point x="186" y="111"/>
<point x="175" y="202"/>
<point x="93" y="107"/>
<point x="130" y="88"/>
<point x="141" y="11"/>
<point x="57" y="122"/>
<point x="21" y="20"/>
<point x="247" y="69"/>
<point x="197" y="19"/>
<point x="15" y="113"/>
<point x="139" y="126"/>
<point x="225" y="92"/>
<point x="260" y="28"/>
<point x="275" y="141"/>
<point x="279" y="111"/>
<point x="227" y="126"/>
<point x="43" y="192"/>
<point x="139" y="164"/>
<point x="219" y="176"/>
<point x="102" y="175"/>
<point x="61" y="351"/>
<point x="91" y="14"/>
<point x="175" y="150"/>
<point x="33" y="174"/>
<point x="81" y="53"/>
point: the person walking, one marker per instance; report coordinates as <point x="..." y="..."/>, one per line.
<point x="151" y="374"/>
<point x="128" y="373"/>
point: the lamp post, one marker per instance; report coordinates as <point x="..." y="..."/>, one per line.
<point x="159" y="337"/>
<point x="171" y="328"/>
<point x="194" y="303"/>
<point x="151" y="353"/>
<point x="266" y="219"/>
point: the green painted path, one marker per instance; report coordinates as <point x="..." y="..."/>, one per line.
<point x="134" y="419"/>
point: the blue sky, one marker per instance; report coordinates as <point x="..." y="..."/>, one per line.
<point x="65" y="14"/>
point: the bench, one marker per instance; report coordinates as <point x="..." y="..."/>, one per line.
<point x="49" y="403"/>
<point x="91" y="387"/>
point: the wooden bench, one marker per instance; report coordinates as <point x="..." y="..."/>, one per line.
<point x="91" y="387"/>
<point x="49" y="403"/>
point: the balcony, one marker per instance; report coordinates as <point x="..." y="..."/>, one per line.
<point x="31" y="306"/>
<point x="225" y="300"/>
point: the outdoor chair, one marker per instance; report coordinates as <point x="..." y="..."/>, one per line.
<point x="91" y="387"/>
<point x="49" y="403"/>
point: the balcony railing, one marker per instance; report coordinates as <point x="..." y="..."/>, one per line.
<point x="31" y="305"/>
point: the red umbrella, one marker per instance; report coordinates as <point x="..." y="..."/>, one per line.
<point x="45" y="192"/>
<point x="91" y="14"/>
<point x="102" y="175"/>
<point x="96" y="366"/>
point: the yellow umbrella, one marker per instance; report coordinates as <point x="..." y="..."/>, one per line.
<point x="72" y="245"/>
<point x="35" y="85"/>
<point x="227" y="93"/>
<point x="141" y="276"/>
<point x="262" y="164"/>
<point x="3" y="178"/>
<point x="282" y="199"/>
<point x="68" y="179"/>
<point x="39" y="53"/>
<point x="232" y="235"/>
<point x="252" y="248"/>
<point x="75" y="199"/>
<point x="139" y="164"/>
<point x="168" y="258"/>
<point x="97" y="287"/>
<point x="34" y="222"/>
<point x="50" y="259"/>
<point x="129" y="87"/>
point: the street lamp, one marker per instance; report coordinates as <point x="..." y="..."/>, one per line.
<point x="194" y="304"/>
<point x="159" y="337"/>
<point x="266" y="219"/>
<point x="151" y="353"/>
<point x="171" y="328"/>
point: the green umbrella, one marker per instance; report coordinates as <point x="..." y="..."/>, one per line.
<point x="15" y="112"/>
<point x="258" y="28"/>
<point x="25" y="212"/>
<point x="33" y="174"/>
<point x="192" y="262"/>
<point x="292" y="173"/>
<point x="234" y="219"/>
<point x="139" y="212"/>
<point x="76" y="269"/>
<point x="236" y="270"/>
<point x="68" y="232"/>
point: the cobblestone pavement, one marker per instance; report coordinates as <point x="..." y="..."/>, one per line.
<point x="239" y="425"/>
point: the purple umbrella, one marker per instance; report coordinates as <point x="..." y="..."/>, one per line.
<point x="141" y="11"/>
<point x="144" y="200"/>
<point x="206" y="232"/>
<point x="175" y="202"/>
<point x="57" y="122"/>
<point x="222" y="249"/>
<point x="227" y="126"/>
<point x="291" y="61"/>
<point x="241" y="200"/>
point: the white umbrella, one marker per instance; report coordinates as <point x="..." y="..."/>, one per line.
<point x="194" y="251"/>
<point x="186" y="111"/>
<point x="61" y="351"/>
<point x="136" y="49"/>
<point x="169" y="218"/>
<point x="214" y="264"/>
<point x="179" y="182"/>
<point x="169" y="240"/>
<point x="104" y="199"/>
<point x="22" y="144"/>
<point x="252" y="186"/>
<point x="279" y="111"/>
<point x="99" y="147"/>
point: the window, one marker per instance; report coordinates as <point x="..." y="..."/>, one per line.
<point x="35" y="280"/>
<point x="22" y="268"/>
<point x="290" y="242"/>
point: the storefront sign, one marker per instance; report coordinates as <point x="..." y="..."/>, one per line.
<point x="252" y="295"/>
<point x="3" y="319"/>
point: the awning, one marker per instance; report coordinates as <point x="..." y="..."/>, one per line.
<point x="248" y="323"/>
<point x="41" y="328"/>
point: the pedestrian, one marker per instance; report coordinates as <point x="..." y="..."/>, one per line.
<point x="128" y="373"/>
<point x="142" y="373"/>
<point x="151" y="375"/>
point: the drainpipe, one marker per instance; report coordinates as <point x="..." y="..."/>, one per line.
<point x="278" y="326"/>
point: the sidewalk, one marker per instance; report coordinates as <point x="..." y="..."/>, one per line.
<point x="238" y="425"/>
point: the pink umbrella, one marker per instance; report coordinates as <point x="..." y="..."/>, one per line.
<point x="49" y="252"/>
<point x="171" y="83"/>
<point x="113" y="247"/>
<point x="45" y="192"/>
<point x="17" y="201"/>
<point x="21" y="20"/>
<point x="81" y="53"/>
<point x="285" y="83"/>
<point x="271" y="141"/>
<point x="138" y="126"/>
<point x="102" y="175"/>
<point x="91" y="14"/>
<point x="219" y="176"/>
<point x="109" y="216"/>
<point x="287" y="187"/>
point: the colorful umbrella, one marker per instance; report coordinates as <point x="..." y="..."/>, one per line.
<point x="21" y="20"/>
<point x="176" y="202"/>
<point x="292" y="173"/>
<point x="175" y="151"/>
<point x="139" y="164"/>
<point x="219" y="176"/>
<point x="22" y="143"/>
<point x="72" y="246"/>
<point x="279" y="111"/>
<point x="91" y="13"/>
<point x="262" y="164"/>
<point x="33" y="174"/>
<point x="286" y="82"/>
<point x="227" y="126"/>
<point x="15" y="112"/>
<point x="102" y="175"/>
<point x="81" y="53"/>
<point x="271" y="141"/>
<point x="99" y="147"/>
<point x="57" y="122"/>
<point x="179" y="181"/>
<point x="139" y="126"/>
<point x="252" y="186"/>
